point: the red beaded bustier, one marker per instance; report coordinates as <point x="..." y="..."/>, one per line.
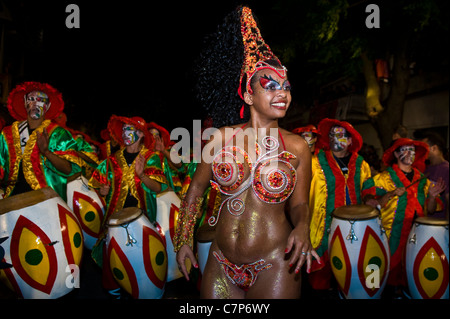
<point x="271" y="177"/>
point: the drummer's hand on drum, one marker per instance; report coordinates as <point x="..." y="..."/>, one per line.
<point x="186" y="252"/>
<point x="299" y="245"/>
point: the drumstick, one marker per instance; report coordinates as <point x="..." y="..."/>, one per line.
<point x="423" y="177"/>
<point x="392" y="196"/>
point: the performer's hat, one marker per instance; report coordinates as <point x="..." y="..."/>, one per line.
<point x="16" y="101"/>
<point x="256" y="51"/>
<point x="308" y="128"/>
<point x="422" y="150"/>
<point x="116" y="123"/>
<point x="324" y="128"/>
<point x="164" y="134"/>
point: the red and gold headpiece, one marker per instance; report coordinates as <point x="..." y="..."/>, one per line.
<point x="256" y="51"/>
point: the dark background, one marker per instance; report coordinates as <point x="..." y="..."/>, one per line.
<point x="130" y="58"/>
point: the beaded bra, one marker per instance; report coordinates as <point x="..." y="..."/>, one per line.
<point x="272" y="187"/>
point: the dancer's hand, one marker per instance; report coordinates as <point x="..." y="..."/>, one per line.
<point x="300" y="245"/>
<point x="184" y="253"/>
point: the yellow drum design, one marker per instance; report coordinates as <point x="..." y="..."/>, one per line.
<point x="88" y="206"/>
<point x="427" y="259"/>
<point x="42" y="244"/>
<point x="167" y="209"/>
<point x="359" y="252"/>
<point x="136" y="253"/>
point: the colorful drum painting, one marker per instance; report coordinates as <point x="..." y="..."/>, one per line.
<point x="88" y="206"/>
<point x="137" y="254"/>
<point x="359" y="252"/>
<point x="42" y="243"/>
<point x="167" y="209"/>
<point x="427" y="259"/>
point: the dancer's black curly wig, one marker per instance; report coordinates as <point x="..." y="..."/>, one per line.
<point x="218" y="69"/>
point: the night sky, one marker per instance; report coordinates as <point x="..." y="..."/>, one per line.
<point x="130" y="58"/>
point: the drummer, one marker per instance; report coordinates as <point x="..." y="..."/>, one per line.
<point x="402" y="193"/>
<point x="35" y="152"/>
<point x="309" y="134"/>
<point x="131" y="177"/>
<point x="338" y="173"/>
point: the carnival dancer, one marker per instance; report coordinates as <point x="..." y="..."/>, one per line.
<point x="131" y="177"/>
<point x="403" y="193"/>
<point x="338" y="173"/>
<point x="34" y="151"/>
<point x="258" y="168"/>
<point x="309" y="134"/>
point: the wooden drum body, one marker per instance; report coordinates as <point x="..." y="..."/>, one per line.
<point x="136" y="254"/>
<point x="42" y="243"/>
<point x="427" y="259"/>
<point x="88" y="206"/>
<point x="359" y="252"/>
<point x="167" y="209"/>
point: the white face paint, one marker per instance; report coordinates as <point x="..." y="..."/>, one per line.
<point x="339" y="139"/>
<point x="309" y="138"/>
<point x="129" y="134"/>
<point x="36" y="103"/>
<point x="406" y="154"/>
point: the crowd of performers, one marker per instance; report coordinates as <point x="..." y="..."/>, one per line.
<point x="262" y="236"/>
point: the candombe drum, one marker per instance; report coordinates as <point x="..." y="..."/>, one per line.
<point x="88" y="206"/>
<point x="359" y="251"/>
<point x="42" y="243"/>
<point x="136" y="254"/>
<point x="205" y="237"/>
<point x="167" y="209"/>
<point x="427" y="259"/>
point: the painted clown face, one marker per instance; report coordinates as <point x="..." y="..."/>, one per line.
<point x="339" y="139"/>
<point x="36" y="103"/>
<point x="406" y="154"/>
<point x="129" y="134"/>
<point x="310" y="138"/>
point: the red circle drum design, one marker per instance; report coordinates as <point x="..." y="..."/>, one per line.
<point x="88" y="206"/>
<point x="41" y="245"/>
<point x="359" y="252"/>
<point x="136" y="252"/>
<point x="427" y="259"/>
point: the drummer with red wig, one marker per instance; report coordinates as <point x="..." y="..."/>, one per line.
<point x="338" y="173"/>
<point x="402" y="193"/>
<point x="34" y="151"/>
<point x="310" y="134"/>
<point x="131" y="177"/>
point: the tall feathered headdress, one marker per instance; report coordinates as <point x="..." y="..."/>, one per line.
<point x="256" y="52"/>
